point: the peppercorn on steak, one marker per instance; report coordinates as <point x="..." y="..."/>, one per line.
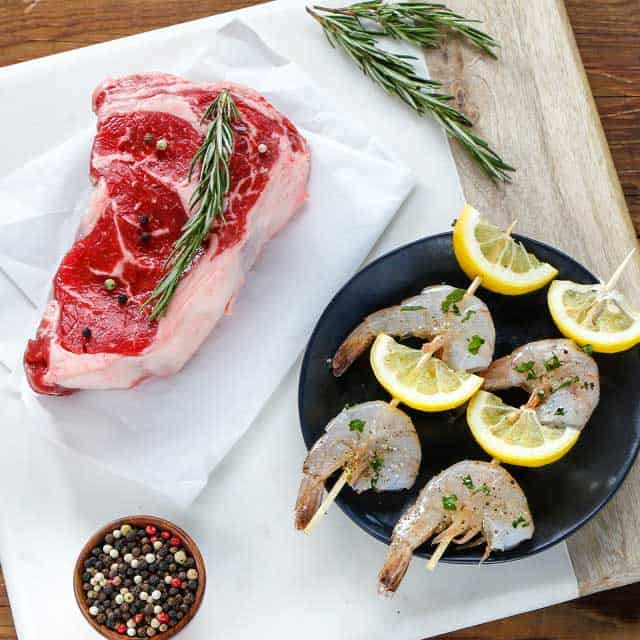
<point x="96" y="332"/>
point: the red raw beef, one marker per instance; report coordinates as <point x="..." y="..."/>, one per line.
<point x="93" y="338"/>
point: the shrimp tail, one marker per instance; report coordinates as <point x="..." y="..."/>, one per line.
<point x="395" y="567"/>
<point x="351" y="349"/>
<point x="309" y="500"/>
<point x="499" y="375"/>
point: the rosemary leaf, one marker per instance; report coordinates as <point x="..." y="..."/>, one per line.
<point x="420" y="23"/>
<point x="397" y="76"/>
<point x="207" y="200"/>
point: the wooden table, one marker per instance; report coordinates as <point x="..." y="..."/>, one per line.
<point x="607" y="36"/>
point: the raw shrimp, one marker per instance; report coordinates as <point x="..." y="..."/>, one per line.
<point x="375" y="442"/>
<point x="424" y="317"/>
<point x="467" y="500"/>
<point x="562" y="379"/>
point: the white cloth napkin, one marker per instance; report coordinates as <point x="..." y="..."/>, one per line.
<point x="265" y="579"/>
<point x="354" y="193"/>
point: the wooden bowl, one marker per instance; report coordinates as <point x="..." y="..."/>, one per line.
<point x="138" y="522"/>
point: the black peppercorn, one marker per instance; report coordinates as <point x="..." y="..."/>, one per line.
<point x="86" y="333"/>
<point x="144" y="220"/>
<point x="145" y="237"/>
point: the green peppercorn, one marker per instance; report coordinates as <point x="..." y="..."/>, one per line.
<point x="162" y="144"/>
<point x="110" y="284"/>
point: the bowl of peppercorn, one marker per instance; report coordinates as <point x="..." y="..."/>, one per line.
<point x="139" y="577"/>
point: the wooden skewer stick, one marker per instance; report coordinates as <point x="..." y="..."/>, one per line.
<point x="618" y="272"/>
<point x="394" y="402"/>
<point x="440" y="549"/>
<point x="473" y="287"/>
<point x="328" y="501"/>
<point x="510" y="227"/>
<point x="429" y="348"/>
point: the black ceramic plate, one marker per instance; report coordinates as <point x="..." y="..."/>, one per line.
<point x="563" y="495"/>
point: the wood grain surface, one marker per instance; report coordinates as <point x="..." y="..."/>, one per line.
<point x="536" y="106"/>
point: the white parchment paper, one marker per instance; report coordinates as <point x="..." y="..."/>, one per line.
<point x="354" y="193"/>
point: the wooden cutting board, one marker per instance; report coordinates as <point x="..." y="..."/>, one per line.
<point x="536" y="106"/>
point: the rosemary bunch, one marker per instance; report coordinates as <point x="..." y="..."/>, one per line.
<point x="419" y="23"/>
<point x="207" y="201"/>
<point x="397" y="76"/>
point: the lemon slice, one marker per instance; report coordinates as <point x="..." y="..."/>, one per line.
<point x="514" y="435"/>
<point x="503" y="263"/>
<point x="590" y="314"/>
<point x="420" y="380"/>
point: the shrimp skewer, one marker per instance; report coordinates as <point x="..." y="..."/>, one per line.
<point x="468" y="499"/>
<point x="376" y="446"/>
<point x="439" y="311"/>
<point x="563" y="381"/>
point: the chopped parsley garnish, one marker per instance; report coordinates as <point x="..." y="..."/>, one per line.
<point x="450" y="302"/>
<point x="527" y="367"/>
<point x="411" y="308"/>
<point x="450" y="503"/>
<point x="356" y="425"/>
<point x="376" y="463"/>
<point x="468" y="482"/>
<point x="587" y="348"/>
<point x="474" y="344"/>
<point x="541" y="394"/>
<point x="519" y="522"/>
<point x="467" y="315"/>
<point x="485" y="489"/>
<point x="552" y="363"/>
<point x="567" y="383"/>
<point x="453" y="222"/>
<point x="559" y="411"/>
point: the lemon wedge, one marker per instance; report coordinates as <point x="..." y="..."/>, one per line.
<point x="591" y="314"/>
<point x="502" y="262"/>
<point x="420" y="380"/>
<point x="515" y="436"/>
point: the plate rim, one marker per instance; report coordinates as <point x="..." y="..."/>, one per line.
<point x="349" y="512"/>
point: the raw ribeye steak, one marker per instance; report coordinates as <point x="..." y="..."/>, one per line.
<point x="95" y="336"/>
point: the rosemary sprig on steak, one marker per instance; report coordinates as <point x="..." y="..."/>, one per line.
<point x="397" y="76"/>
<point x="420" y="23"/>
<point x="207" y="201"/>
